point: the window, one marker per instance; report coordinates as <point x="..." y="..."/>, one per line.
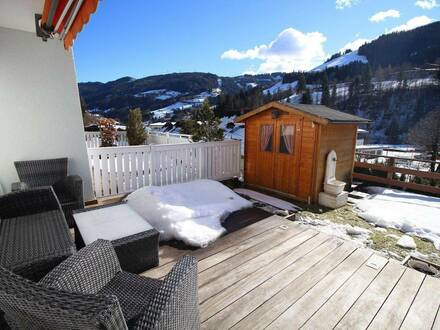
<point x="287" y="141"/>
<point x="266" y="137"/>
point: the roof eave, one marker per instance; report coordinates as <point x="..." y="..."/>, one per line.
<point x="283" y="107"/>
<point x="357" y="122"/>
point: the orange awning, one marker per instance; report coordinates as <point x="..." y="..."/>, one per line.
<point x="67" y="17"/>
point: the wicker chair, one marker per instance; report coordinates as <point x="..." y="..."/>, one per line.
<point x="90" y="291"/>
<point x="52" y="172"/>
<point x="34" y="237"/>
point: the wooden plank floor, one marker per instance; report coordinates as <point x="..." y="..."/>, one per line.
<point x="277" y="274"/>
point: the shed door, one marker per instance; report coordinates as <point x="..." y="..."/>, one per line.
<point x="286" y="155"/>
<point x="265" y="154"/>
<point x="277" y="155"/>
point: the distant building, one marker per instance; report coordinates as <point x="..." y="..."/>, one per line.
<point x="362" y="136"/>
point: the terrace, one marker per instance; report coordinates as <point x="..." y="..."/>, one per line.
<point x="278" y="274"/>
<point x="267" y="271"/>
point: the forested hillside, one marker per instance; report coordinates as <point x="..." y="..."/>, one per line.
<point x="395" y="87"/>
<point x="393" y="81"/>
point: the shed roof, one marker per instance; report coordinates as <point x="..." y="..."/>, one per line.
<point x="320" y="113"/>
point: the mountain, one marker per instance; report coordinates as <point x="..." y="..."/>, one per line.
<point x="393" y="80"/>
<point x="165" y="92"/>
<point x="415" y="47"/>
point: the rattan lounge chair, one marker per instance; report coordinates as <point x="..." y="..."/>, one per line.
<point x="90" y="291"/>
<point x="52" y="172"/>
<point x="34" y="237"/>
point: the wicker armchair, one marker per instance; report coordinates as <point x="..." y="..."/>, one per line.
<point x="90" y="291"/>
<point x="34" y="237"/>
<point x="52" y="172"/>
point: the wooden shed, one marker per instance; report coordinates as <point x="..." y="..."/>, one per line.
<point x="286" y="146"/>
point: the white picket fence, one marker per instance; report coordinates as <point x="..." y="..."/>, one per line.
<point x="93" y="139"/>
<point x="120" y="170"/>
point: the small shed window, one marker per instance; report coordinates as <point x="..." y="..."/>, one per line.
<point x="287" y="142"/>
<point x="266" y="137"/>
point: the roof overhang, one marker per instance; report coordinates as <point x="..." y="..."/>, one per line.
<point x="282" y="107"/>
<point x="315" y="117"/>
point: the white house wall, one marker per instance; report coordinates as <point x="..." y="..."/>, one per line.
<point x="40" y="114"/>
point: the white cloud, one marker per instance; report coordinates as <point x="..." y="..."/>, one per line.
<point x="354" y="45"/>
<point x="412" y="24"/>
<point x="341" y="4"/>
<point x="426" y="4"/>
<point x="291" y="49"/>
<point x="383" y="15"/>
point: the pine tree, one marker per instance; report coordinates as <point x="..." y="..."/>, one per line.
<point x="438" y="78"/>
<point x="333" y="96"/>
<point x="306" y="97"/>
<point x="380" y="74"/>
<point x="206" y="128"/>
<point x="325" y="99"/>
<point x="366" y="80"/>
<point x="393" y="131"/>
<point x="301" y="87"/>
<point x="135" y="128"/>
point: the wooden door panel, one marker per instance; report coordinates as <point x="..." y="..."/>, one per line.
<point x="286" y="164"/>
<point x="265" y="159"/>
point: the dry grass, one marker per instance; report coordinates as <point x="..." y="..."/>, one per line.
<point x="383" y="241"/>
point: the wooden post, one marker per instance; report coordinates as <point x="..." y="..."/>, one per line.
<point x="390" y="174"/>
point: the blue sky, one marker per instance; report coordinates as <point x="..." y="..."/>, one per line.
<point x="138" y="38"/>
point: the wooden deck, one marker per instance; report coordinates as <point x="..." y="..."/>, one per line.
<point x="278" y="274"/>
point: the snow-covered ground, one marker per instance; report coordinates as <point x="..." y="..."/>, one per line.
<point x="393" y="84"/>
<point x="169" y="110"/>
<point x="160" y="94"/>
<point x="360" y="236"/>
<point x="234" y="133"/>
<point x="341" y="61"/>
<point x="411" y="213"/>
<point x="280" y="87"/>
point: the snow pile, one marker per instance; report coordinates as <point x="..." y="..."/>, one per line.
<point x="406" y="242"/>
<point x="341" y="61"/>
<point x="408" y="212"/>
<point x="191" y="212"/>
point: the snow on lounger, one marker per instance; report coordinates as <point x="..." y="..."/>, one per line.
<point x="409" y="212"/>
<point x="191" y="212"/>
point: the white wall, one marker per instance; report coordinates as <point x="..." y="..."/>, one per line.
<point x="40" y="114"/>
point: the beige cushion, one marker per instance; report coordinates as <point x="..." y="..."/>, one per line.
<point x="110" y="223"/>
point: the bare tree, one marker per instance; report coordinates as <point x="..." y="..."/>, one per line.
<point x="426" y="133"/>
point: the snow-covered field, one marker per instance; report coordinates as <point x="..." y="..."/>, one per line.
<point x="411" y="213"/>
<point x="341" y="61"/>
<point x="169" y="110"/>
<point x="280" y="87"/>
<point x="160" y="94"/>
